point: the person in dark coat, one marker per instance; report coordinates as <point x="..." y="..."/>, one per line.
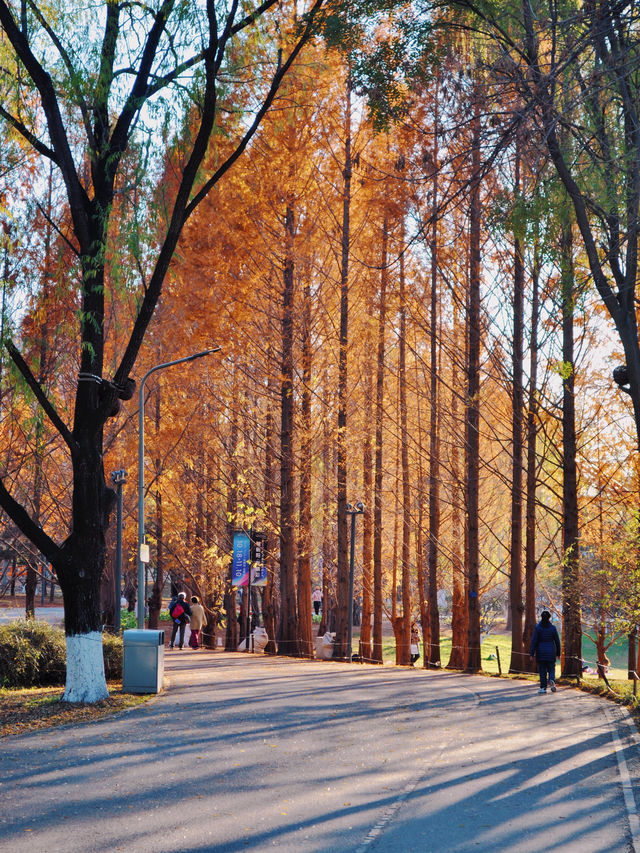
<point x="545" y="647"/>
<point x="181" y="617"/>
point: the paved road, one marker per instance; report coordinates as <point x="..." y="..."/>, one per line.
<point x="251" y="753"/>
<point x="54" y="615"/>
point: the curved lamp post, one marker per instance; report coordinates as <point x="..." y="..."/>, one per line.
<point x="353" y="511"/>
<point x="143" y="550"/>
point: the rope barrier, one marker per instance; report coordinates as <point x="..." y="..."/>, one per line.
<point x="299" y="644"/>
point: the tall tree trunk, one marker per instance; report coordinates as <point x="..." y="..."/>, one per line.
<point x="232" y="636"/>
<point x="472" y="431"/>
<point x="327" y="538"/>
<point x="367" y="518"/>
<point x="571" y="621"/>
<point x="340" y="650"/>
<point x="420" y="557"/>
<point x="517" y="663"/>
<point x="43" y="379"/>
<point x="269" y="599"/>
<point x="396" y="621"/>
<point x="305" y="624"/>
<point x="530" y="562"/>
<point x="459" y="611"/>
<point x="434" y="444"/>
<point x="405" y="657"/>
<point x="288" y="625"/>
<point x="377" y="488"/>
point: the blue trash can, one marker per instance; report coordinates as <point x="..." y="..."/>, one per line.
<point x="142" y="661"/>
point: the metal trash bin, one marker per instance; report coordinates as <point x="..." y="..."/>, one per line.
<point x="143" y="661"/>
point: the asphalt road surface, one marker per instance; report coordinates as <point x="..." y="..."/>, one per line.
<point x="244" y="752"/>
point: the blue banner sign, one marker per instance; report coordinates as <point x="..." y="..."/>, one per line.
<point x="241" y="555"/>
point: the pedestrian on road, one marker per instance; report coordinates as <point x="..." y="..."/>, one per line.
<point x="316" y="598"/>
<point x="180" y="612"/>
<point x="415" y="642"/>
<point x="196" y="622"/>
<point x="545" y="648"/>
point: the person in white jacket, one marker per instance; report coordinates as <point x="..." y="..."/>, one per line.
<point x="196" y="623"/>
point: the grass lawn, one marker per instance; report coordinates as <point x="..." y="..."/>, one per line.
<point x="621" y="688"/>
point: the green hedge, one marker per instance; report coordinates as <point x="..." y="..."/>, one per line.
<point x="33" y="654"/>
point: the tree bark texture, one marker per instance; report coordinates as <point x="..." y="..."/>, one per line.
<point x="472" y="429"/>
<point x="379" y="419"/>
<point x="304" y="534"/>
<point x="288" y="626"/>
<point x="571" y="619"/>
<point x="340" y="650"/>
<point x="517" y="663"/>
<point x="530" y="561"/>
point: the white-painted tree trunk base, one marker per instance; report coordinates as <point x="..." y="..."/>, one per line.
<point x="85" y="669"/>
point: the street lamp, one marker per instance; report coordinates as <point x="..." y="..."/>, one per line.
<point x="119" y="478"/>
<point x="143" y="550"/>
<point x="353" y="511"/>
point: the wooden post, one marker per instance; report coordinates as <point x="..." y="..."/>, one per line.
<point x="635" y="683"/>
<point x="499" y="664"/>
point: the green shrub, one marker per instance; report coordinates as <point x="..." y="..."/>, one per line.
<point x="33" y="654"/>
<point x="112" y="650"/>
<point x="128" y="619"/>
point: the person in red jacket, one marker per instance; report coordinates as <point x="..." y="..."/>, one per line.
<point x="180" y="612"/>
<point x="545" y="647"/>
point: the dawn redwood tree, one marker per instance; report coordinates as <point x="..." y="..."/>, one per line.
<point x="574" y="68"/>
<point x="517" y="663"/>
<point x="90" y="105"/>
<point x="472" y="407"/>
<point x="571" y="618"/>
<point x="376" y="651"/>
<point x="340" y="650"/>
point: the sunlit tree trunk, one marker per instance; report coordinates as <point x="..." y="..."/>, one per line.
<point x="43" y="379"/>
<point x="459" y="611"/>
<point x="328" y="553"/>
<point x="340" y="650"/>
<point x="287" y="627"/>
<point x="304" y="537"/>
<point x="269" y="600"/>
<point x="232" y="637"/>
<point x="405" y="656"/>
<point x="472" y="431"/>
<point x="367" y="518"/>
<point x="434" y="426"/>
<point x="532" y="434"/>
<point x="517" y="663"/>
<point x="420" y="557"/>
<point x="379" y="418"/>
<point x="571" y="620"/>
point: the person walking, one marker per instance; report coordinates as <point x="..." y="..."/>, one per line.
<point x="545" y="648"/>
<point x="316" y="598"/>
<point x="180" y="612"/>
<point x="196" y="622"/>
<point x="415" y="642"/>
